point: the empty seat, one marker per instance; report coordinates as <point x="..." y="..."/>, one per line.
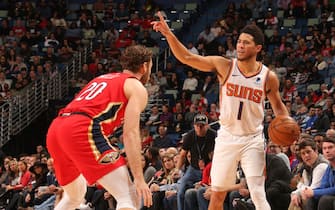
<point x="288" y="22"/>
<point x="268" y="32"/>
<point x="280" y="14"/>
<point x="3" y="13"/>
<point x="184" y="16"/>
<point x="313" y="87"/>
<point x="191" y="6"/>
<point x="312" y="21"/>
<point x="176" y="25"/>
<point x="74" y="7"/>
<point x="179" y="7"/>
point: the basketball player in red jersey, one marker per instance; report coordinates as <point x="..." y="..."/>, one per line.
<point x="244" y="85"/>
<point x="77" y="138"/>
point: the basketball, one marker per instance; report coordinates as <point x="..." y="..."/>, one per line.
<point x="283" y="130"/>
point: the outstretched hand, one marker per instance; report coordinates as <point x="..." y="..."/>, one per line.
<point x="160" y="25"/>
<point x="144" y="192"/>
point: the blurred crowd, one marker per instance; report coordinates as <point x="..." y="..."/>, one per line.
<point x="35" y="36"/>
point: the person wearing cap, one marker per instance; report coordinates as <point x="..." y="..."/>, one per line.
<point x="245" y="83"/>
<point x="324" y="195"/>
<point x="200" y="142"/>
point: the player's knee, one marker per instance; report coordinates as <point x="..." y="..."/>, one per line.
<point x="256" y="188"/>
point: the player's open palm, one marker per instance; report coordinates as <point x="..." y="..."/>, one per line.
<point x="144" y="192"/>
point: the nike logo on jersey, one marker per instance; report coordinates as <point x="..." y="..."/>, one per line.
<point x="235" y="75"/>
<point x="239" y="91"/>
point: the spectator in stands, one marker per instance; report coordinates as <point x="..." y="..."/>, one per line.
<point x="173" y="82"/>
<point x="307" y="123"/>
<point x="277" y="183"/>
<point x="198" y="197"/>
<point x="152" y="87"/>
<point x="318" y="138"/>
<point x="57" y="20"/>
<point x="153" y="156"/>
<point x="88" y="34"/>
<point x="231" y="51"/>
<point x="271" y="21"/>
<point x="192" y="48"/>
<point x="164" y="184"/>
<point x="33" y="196"/>
<point x="48" y="197"/>
<point x="19" y="29"/>
<point x="21" y="180"/>
<point x="200" y="142"/>
<point x="325" y="192"/>
<point x="314" y="168"/>
<point x="180" y="125"/>
<point x="147" y="40"/>
<point x="49" y="55"/>
<point x="322" y="122"/>
<point x="162" y="79"/>
<point x="289" y="91"/>
<point x="178" y="109"/>
<point x="277" y="150"/>
<point x="166" y="116"/>
<point x="122" y="14"/>
<point x="153" y="119"/>
<point x="206" y="36"/>
<point x="189" y="115"/>
<point x="191" y="82"/>
<point x="5" y="27"/>
<point x="146" y="137"/>
<point x="65" y="52"/>
<point x="41" y="152"/>
<point x="163" y="140"/>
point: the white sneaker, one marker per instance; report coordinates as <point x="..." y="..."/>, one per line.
<point x="84" y="207"/>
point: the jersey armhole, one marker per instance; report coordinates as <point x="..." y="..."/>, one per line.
<point x="232" y="63"/>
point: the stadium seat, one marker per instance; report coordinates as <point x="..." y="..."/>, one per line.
<point x="313" y="87"/>
<point x="3" y="13"/>
<point x="184" y="16"/>
<point x="289" y="23"/>
<point x="312" y="21"/>
<point x="176" y="25"/>
<point x="268" y="32"/>
<point x="280" y="14"/>
<point x="179" y="7"/>
<point x="73" y="7"/>
<point x="191" y="6"/>
<point x="155" y="50"/>
<point x="195" y="97"/>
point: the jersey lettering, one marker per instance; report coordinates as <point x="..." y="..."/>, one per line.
<point x="92" y="91"/>
<point x="240" y="91"/>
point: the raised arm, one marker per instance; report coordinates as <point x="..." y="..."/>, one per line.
<point x="203" y="63"/>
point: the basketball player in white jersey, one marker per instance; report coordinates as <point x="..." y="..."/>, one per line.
<point x="244" y="85"/>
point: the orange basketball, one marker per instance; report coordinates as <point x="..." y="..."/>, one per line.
<point x="283" y="130"/>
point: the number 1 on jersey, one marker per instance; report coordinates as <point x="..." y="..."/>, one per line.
<point x="240" y="108"/>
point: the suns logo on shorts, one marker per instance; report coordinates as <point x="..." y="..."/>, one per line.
<point x="109" y="158"/>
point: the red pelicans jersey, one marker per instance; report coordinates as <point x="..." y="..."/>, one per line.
<point x="242" y="101"/>
<point x="103" y="100"/>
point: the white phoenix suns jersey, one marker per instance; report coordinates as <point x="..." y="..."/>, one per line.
<point x="242" y="101"/>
